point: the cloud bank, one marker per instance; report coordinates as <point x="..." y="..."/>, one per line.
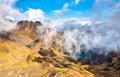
<point x="98" y="37"/>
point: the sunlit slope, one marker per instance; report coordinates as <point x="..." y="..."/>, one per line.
<point x="22" y="55"/>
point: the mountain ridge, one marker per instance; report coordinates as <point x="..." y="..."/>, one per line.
<point x="24" y="52"/>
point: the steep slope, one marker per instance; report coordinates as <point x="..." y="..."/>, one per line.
<point x="27" y="51"/>
<point x="110" y="68"/>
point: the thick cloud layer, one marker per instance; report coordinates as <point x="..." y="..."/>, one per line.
<point x="96" y="36"/>
<point x="103" y="36"/>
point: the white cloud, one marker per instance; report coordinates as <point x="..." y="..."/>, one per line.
<point x="32" y="15"/>
<point x="81" y="21"/>
<point x="67" y="23"/>
<point x="36" y="14"/>
<point x="77" y="2"/>
<point x="6" y="8"/>
<point x="59" y="12"/>
<point x="7" y="13"/>
<point x="104" y="36"/>
<point x="99" y="1"/>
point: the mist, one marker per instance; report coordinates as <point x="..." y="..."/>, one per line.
<point x="86" y="38"/>
<point x="100" y="38"/>
<point x="6" y="15"/>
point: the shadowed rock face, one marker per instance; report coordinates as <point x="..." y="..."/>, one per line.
<point x="29" y="26"/>
<point x="5" y="35"/>
<point x="109" y="68"/>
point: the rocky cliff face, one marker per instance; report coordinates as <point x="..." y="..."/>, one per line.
<point x="33" y="50"/>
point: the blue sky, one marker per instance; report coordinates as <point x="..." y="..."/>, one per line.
<point x="48" y="6"/>
<point x="45" y="9"/>
<point x="75" y="8"/>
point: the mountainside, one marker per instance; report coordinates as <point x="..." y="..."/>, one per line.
<point x="110" y="68"/>
<point x="33" y="50"/>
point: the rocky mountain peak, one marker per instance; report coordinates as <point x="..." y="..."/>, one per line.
<point x="29" y="26"/>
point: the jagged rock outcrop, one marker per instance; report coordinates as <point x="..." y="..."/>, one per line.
<point x="28" y="52"/>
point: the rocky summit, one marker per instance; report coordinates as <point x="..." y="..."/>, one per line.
<point x="33" y="50"/>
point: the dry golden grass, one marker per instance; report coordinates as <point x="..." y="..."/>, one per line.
<point x="18" y="60"/>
